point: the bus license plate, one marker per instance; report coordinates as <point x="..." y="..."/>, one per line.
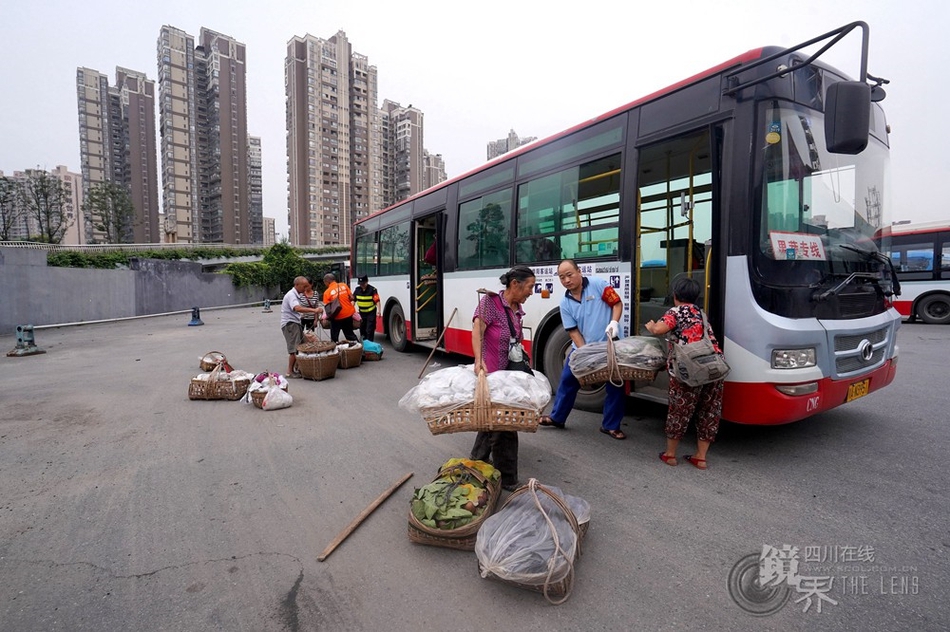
<point x="858" y="389"/>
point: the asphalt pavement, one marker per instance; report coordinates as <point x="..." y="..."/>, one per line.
<point x="126" y="506"/>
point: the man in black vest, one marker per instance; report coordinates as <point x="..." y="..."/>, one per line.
<point x="367" y="302"/>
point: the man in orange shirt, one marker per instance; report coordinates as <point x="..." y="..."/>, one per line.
<point x="342" y="320"/>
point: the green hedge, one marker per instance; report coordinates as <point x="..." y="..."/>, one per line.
<point x="279" y="265"/>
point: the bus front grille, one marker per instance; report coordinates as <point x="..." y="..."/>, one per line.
<point x="850" y="350"/>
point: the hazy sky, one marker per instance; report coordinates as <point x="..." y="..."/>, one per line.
<point x="476" y="69"/>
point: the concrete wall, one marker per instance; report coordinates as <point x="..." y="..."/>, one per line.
<point x="32" y="293"/>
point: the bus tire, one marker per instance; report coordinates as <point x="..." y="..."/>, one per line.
<point x="934" y="309"/>
<point x="588" y="398"/>
<point x="396" y="326"/>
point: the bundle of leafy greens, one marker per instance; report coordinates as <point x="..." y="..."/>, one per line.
<point x="456" y="497"/>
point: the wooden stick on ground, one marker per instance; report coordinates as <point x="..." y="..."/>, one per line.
<point x="360" y="518"/>
<point x="442" y="335"/>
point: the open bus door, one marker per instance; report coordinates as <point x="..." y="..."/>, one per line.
<point x="426" y="280"/>
<point x="675" y="195"/>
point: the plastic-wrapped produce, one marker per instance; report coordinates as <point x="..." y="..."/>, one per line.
<point x="532" y="541"/>
<point x="518" y="389"/>
<point x="637" y="352"/>
<point x="449" y="388"/>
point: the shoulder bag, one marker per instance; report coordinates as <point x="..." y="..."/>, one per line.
<point x="333" y="308"/>
<point x="698" y="363"/>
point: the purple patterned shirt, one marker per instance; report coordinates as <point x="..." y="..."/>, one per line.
<point x="495" y="339"/>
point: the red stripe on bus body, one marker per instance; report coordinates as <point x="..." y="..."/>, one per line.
<point x="761" y="404"/>
<point x="903" y="307"/>
<point x="459" y="341"/>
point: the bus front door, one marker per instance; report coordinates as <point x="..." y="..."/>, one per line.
<point x="675" y="208"/>
<point x="426" y="281"/>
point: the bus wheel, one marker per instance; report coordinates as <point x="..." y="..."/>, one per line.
<point x="935" y="309"/>
<point x="397" y="329"/>
<point x="588" y="398"/>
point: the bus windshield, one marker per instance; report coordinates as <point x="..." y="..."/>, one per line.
<point x="818" y="211"/>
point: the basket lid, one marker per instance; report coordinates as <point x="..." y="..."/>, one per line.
<point x="317" y="346"/>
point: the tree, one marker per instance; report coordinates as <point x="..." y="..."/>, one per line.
<point x="279" y="266"/>
<point x="11" y="211"/>
<point x="110" y="208"/>
<point x="44" y="198"/>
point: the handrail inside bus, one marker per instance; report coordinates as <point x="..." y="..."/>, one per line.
<point x="839" y="33"/>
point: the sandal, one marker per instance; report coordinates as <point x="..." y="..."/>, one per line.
<point x="614" y="434"/>
<point x="699" y="464"/>
<point x="669" y="460"/>
<point x="547" y="422"/>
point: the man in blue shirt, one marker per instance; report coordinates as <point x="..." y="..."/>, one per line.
<point x="590" y="312"/>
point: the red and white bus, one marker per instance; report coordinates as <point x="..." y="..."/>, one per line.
<point x="764" y="177"/>
<point x="921" y="256"/>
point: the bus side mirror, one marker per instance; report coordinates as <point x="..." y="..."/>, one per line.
<point x="847" y="117"/>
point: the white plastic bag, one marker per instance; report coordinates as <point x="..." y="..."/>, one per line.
<point x="277" y="398"/>
<point x="451" y="387"/>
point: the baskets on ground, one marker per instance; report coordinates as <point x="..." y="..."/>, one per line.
<point x="213" y="388"/>
<point x="350" y="355"/>
<point x="371" y="356"/>
<point x="211" y="360"/>
<point x="462" y="538"/>
<point x="482" y="414"/>
<point x="318" y="367"/>
<point x="615" y="373"/>
<point x="559" y="591"/>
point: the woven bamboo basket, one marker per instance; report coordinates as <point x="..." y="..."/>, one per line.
<point x="482" y="414"/>
<point x="319" y="367"/>
<point x="213" y="388"/>
<point x="615" y="373"/>
<point x="559" y="591"/>
<point x="463" y="538"/>
<point x="350" y="356"/>
<point x="211" y="360"/>
<point x="370" y="356"/>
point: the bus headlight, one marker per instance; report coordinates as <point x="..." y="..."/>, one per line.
<point x="793" y="358"/>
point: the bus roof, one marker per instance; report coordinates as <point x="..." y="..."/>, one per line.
<point x="735" y="61"/>
<point x="912" y="228"/>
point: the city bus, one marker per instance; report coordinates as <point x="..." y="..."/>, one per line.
<point x="763" y="178"/>
<point x="921" y="257"/>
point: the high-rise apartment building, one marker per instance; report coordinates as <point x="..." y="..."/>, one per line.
<point x="504" y="145"/>
<point x="204" y="141"/>
<point x="255" y="180"/>
<point x="434" y="169"/>
<point x="117" y="145"/>
<point x="178" y="131"/>
<point x="403" y="152"/>
<point x="333" y="139"/>
<point x="270" y="231"/>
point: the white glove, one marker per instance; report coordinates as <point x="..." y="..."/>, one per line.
<point x="613" y="330"/>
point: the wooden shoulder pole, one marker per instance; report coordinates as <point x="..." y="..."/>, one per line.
<point x="437" y="342"/>
<point x="360" y="518"/>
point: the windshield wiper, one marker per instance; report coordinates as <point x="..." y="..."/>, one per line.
<point x="880" y="257"/>
<point x="851" y="277"/>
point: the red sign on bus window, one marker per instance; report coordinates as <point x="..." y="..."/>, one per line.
<point x="790" y="246"/>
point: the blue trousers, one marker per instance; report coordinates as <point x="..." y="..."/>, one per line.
<point x="567" y="393"/>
